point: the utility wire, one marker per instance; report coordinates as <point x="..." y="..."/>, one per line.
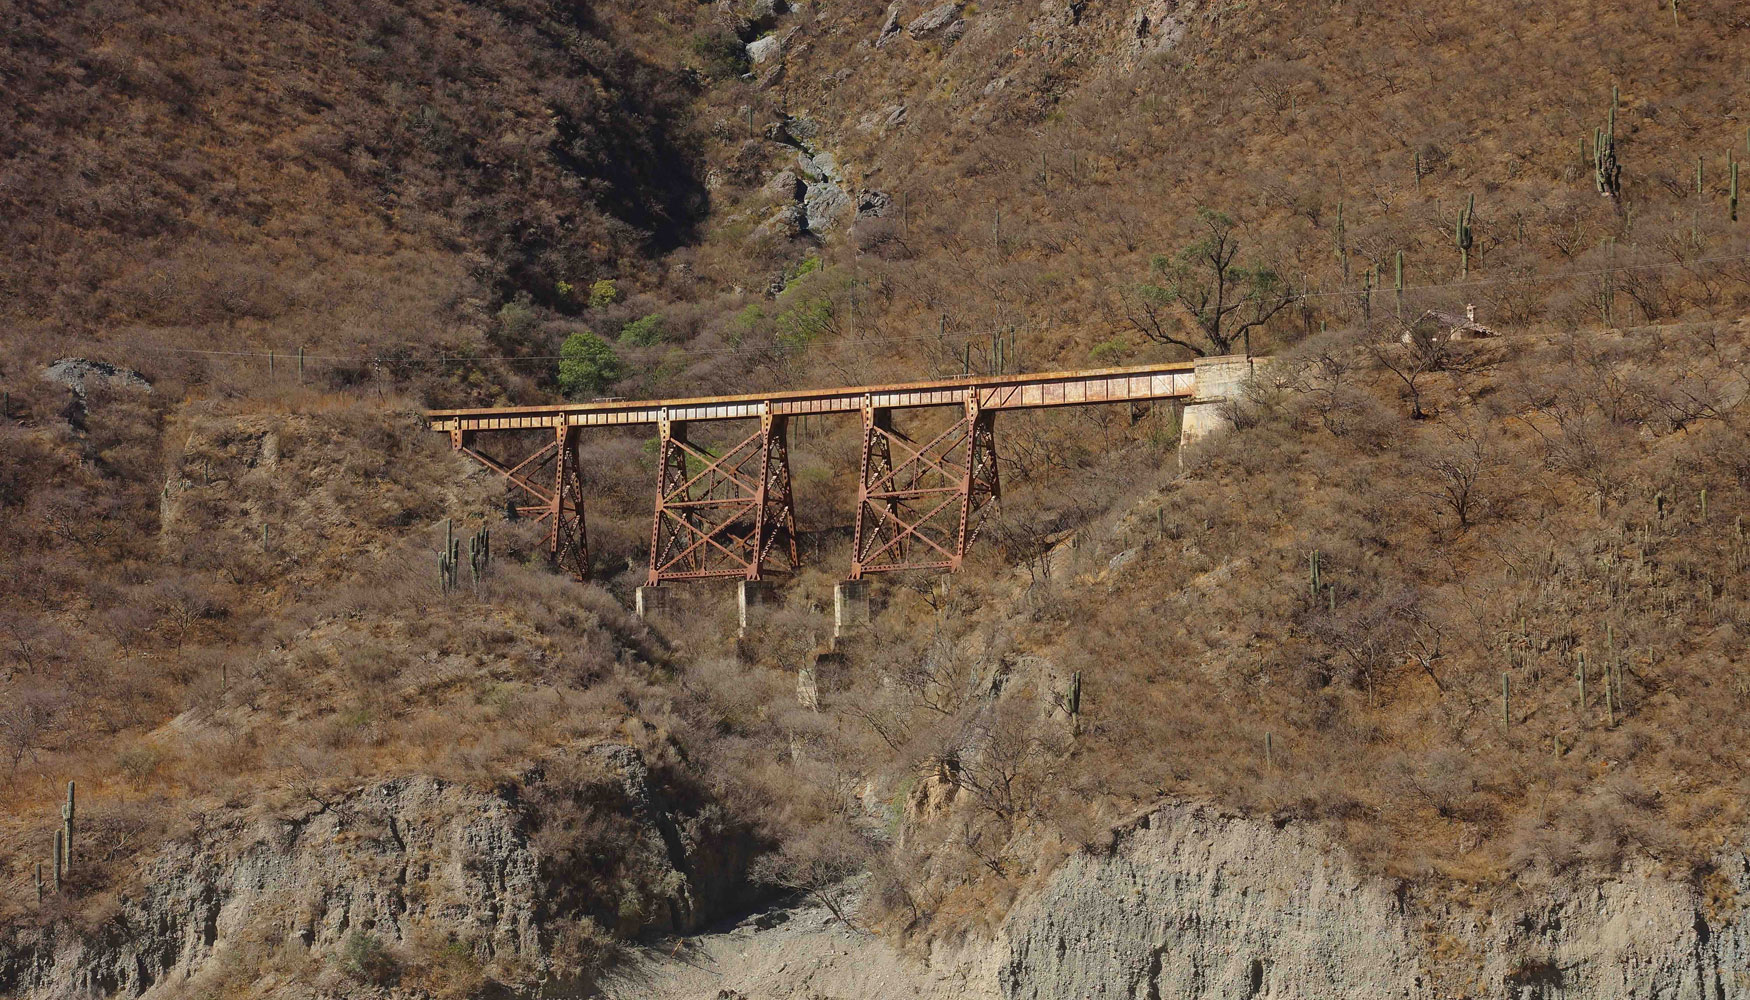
<point x="290" y="356"/>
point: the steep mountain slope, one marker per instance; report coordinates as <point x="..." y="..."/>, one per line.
<point x="1464" y="613"/>
<point x="358" y="182"/>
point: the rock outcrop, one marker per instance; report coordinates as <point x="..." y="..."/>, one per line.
<point x="405" y="861"/>
<point x="1193" y="903"/>
<point x="935" y="20"/>
<point x="77" y="373"/>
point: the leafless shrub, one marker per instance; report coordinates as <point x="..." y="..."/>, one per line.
<point x="27" y="717"/>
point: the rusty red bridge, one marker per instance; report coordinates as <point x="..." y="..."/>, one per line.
<point x="730" y="512"/>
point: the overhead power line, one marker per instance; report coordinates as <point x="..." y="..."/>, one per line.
<point x="289" y="354"/>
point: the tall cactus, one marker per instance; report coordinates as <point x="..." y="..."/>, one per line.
<point x="1400" y="283"/>
<point x="1606" y="167"/>
<point x="1342" y="238"/>
<point x="1074" y="702"/>
<point x="67" y="828"/>
<point x="1461" y="234"/>
<point x="479" y="553"/>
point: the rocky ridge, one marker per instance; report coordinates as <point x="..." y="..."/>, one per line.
<point x="1187" y="903"/>
<point x="408" y="863"/>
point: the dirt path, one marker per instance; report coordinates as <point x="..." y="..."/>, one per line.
<point x="798" y="953"/>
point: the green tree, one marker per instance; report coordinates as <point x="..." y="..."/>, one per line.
<point x="719" y="53"/>
<point x="603" y="293"/>
<point x="1205" y="283"/>
<point x="644" y="332"/>
<point x="587" y="365"/>
<point x="517" y="318"/>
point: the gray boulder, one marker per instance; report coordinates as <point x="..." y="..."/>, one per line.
<point x="874" y="204"/>
<point x="78" y="374"/>
<point x="936" y="20"/>
<point x="823" y="206"/>
<point x="818" y="166"/>
<point x="764" y="49"/>
<point x="889" y="27"/>
<point x="802" y="127"/>
<point x="763" y="13"/>
<point x="786" y="223"/>
<point x="784" y="185"/>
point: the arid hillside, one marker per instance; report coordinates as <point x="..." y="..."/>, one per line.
<point x="1472" y="609"/>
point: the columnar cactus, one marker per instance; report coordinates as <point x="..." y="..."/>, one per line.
<point x="479" y="553"/>
<point x="1341" y="235"/>
<point x="1400" y="282"/>
<point x="1462" y="236"/>
<point x="1606" y="167"/>
<point x="67" y="829"/>
<point x="1074" y="701"/>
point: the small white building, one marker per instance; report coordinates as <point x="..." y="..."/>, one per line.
<point x="1456" y="327"/>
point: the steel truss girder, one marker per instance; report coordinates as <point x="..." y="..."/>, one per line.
<point x="558" y="502"/>
<point x="728" y="518"/>
<point x="924" y="510"/>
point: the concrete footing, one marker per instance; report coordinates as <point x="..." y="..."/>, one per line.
<point x="750" y="601"/>
<point x="651" y="601"/>
<point x="1201" y="418"/>
<point x="850" y="607"/>
<point x="1220" y="381"/>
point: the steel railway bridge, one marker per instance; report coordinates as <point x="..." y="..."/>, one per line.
<point x="731" y="514"/>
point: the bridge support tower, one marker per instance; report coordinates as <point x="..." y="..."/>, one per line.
<point x="921" y="506"/>
<point x="555" y="502"/>
<point x="721" y="515"/>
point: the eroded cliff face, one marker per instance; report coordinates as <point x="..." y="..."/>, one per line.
<point x="1192" y="903"/>
<point x="413" y="863"/>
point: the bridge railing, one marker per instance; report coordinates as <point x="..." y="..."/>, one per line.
<point x="733" y="514"/>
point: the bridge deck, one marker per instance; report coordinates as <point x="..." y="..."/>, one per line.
<point x="995" y="392"/>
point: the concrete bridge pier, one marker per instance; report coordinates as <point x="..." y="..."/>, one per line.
<point x="1218" y="383"/>
<point x="651" y="602"/>
<point x="751" y="597"/>
<point x="850" y="609"/>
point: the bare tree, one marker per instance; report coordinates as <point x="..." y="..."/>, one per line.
<point x="1003" y="757"/>
<point x="26" y="718"/>
<point x="817" y="863"/>
<point x="1368" y="631"/>
<point x="1458" y="470"/>
<point x="1425" y="348"/>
